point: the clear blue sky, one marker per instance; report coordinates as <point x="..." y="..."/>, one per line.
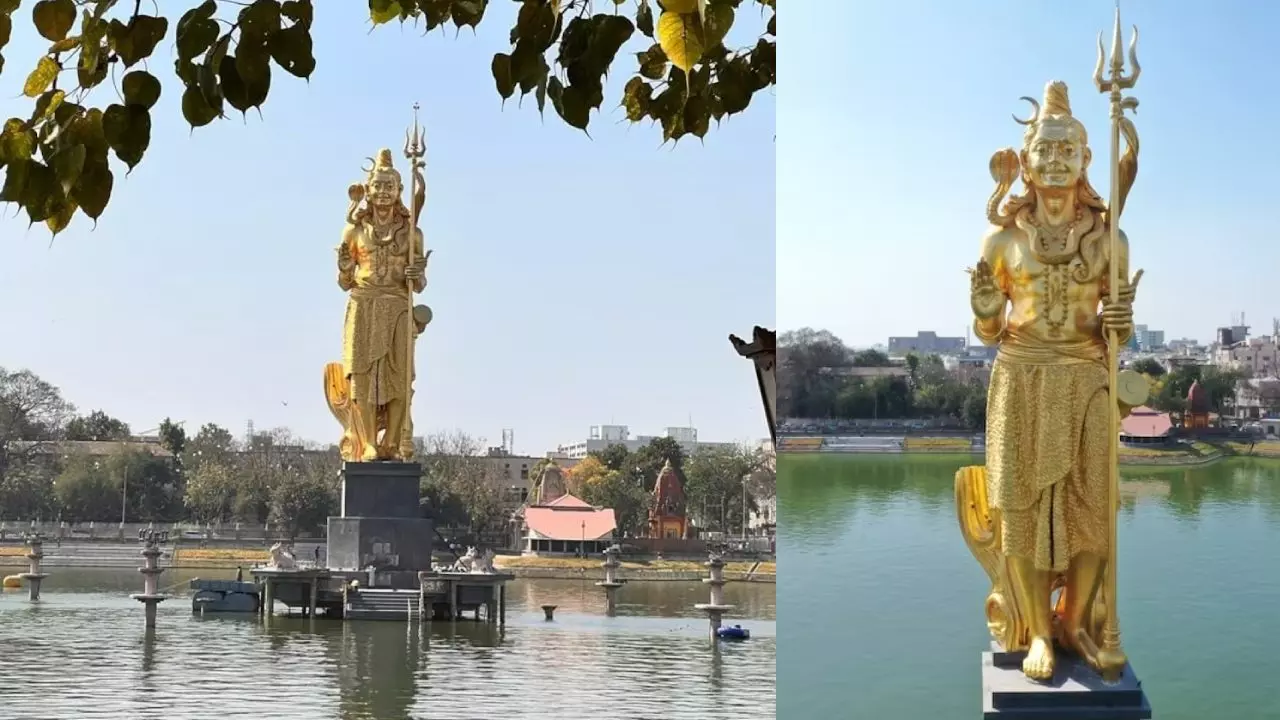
<point x="892" y="111"/>
<point x="574" y="281"/>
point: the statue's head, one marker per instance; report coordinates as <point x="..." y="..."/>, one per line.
<point x="1055" y="148"/>
<point x="383" y="186"/>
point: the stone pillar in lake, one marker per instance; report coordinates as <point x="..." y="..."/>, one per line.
<point x="715" y="609"/>
<point x="150" y="596"/>
<point x="33" y="575"/>
<point x="611" y="583"/>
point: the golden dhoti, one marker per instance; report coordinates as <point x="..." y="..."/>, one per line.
<point x="376" y="345"/>
<point x="1047" y="458"/>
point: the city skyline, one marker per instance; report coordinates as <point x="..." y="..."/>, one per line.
<point x="876" y="227"/>
<point x="561" y="290"/>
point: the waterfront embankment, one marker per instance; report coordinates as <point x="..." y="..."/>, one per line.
<point x="1182" y="453"/>
<point x="107" y="554"/>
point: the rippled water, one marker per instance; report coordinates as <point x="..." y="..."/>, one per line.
<point x="81" y="652"/>
<point x="877" y="540"/>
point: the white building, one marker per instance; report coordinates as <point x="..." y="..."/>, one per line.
<point x="600" y="437"/>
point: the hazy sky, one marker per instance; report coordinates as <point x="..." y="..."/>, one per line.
<point x="893" y="111"/>
<point x="574" y="281"/>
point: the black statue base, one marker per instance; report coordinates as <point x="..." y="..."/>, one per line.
<point x="381" y="523"/>
<point x="1075" y="693"/>
<point x="385" y="543"/>
<point x="380" y="489"/>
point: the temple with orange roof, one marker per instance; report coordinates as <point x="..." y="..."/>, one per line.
<point x="557" y="522"/>
<point x="668" y="516"/>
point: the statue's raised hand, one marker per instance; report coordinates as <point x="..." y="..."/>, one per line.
<point x="985" y="296"/>
<point x="355" y="192"/>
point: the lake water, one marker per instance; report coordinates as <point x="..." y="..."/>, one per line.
<point x="884" y="612"/>
<point x="82" y="652"/>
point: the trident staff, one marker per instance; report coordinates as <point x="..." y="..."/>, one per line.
<point x="415" y="149"/>
<point x="1111" y="656"/>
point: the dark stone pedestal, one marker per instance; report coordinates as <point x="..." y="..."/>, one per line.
<point x="380" y="489"/>
<point x="1075" y="693"/>
<point x="387" y="543"/>
<point x="381" y="523"/>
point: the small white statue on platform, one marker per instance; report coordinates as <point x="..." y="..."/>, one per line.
<point x="465" y="563"/>
<point x="282" y="559"/>
<point x="483" y="563"/>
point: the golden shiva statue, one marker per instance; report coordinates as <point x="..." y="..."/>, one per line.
<point x="1040" y="516"/>
<point x="380" y="264"/>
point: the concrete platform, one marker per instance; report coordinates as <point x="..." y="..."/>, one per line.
<point x="1075" y="693"/>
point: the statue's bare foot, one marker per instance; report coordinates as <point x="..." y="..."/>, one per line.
<point x="1038" y="665"/>
<point x="1081" y="644"/>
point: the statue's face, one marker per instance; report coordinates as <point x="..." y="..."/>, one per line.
<point x="1057" y="154"/>
<point x="383" y="190"/>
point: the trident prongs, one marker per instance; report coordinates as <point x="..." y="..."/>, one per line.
<point x="1118" y="81"/>
<point x="415" y="144"/>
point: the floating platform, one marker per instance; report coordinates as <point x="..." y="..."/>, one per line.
<point x="224" y="596"/>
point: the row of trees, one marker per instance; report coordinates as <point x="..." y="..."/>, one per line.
<point x="274" y="477"/>
<point x="816" y="380"/>
<point x="1170" y="387"/>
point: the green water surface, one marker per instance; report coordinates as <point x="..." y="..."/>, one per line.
<point x="882" y="601"/>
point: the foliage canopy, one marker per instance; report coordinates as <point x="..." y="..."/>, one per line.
<point x="57" y="161"/>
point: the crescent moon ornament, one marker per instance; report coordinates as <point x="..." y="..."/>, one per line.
<point x="1034" y="116"/>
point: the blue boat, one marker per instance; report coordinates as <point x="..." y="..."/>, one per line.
<point x="737" y="632"/>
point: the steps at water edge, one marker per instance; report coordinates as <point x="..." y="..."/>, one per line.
<point x="382" y="605"/>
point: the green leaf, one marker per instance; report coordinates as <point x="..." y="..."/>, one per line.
<point x="186" y="71"/>
<point x="299" y="11"/>
<point x="7" y="7"/>
<point x="715" y="25"/>
<point x="140" y="88"/>
<point x="436" y="12"/>
<point x="15" y="178"/>
<point x="208" y="73"/>
<point x="764" y="63"/>
<point x="54" y="18"/>
<point x="6" y="29"/>
<point x="291" y="49"/>
<point x="63" y="45"/>
<point x="92" y="190"/>
<point x="501" y="68"/>
<point x="17" y="143"/>
<point x="47" y="104"/>
<point x="636" y="97"/>
<point x="128" y="132"/>
<point x="535" y="25"/>
<point x="86" y="128"/>
<point x="733" y="85"/>
<point x="261" y="18"/>
<point x="644" y="19"/>
<point x="41" y="78"/>
<point x="253" y="58"/>
<point x="137" y="40"/>
<point x="529" y="68"/>
<point x="62" y="214"/>
<point x="68" y="164"/>
<point x="608" y="34"/>
<point x="572" y="104"/>
<point x="196" y="33"/>
<point x="383" y="11"/>
<point x="252" y="70"/>
<point x="92" y="67"/>
<point x="41" y="195"/>
<point x="575" y="42"/>
<point x="697" y="116"/>
<point x="653" y="63"/>
<point x="467" y="13"/>
<point x="197" y="111"/>
<point x="772" y="27"/>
